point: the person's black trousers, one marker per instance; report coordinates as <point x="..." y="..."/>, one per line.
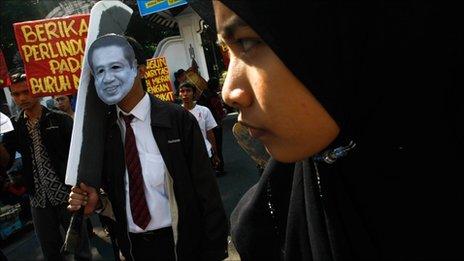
<point x="48" y="223"/>
<point x="218" y="137"/>
<point x="153" y="245"/>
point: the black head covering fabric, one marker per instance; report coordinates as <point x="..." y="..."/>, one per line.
<point x="390" y="74"/>
<point x="314" y="52"/>
<point x="352" y="54"/>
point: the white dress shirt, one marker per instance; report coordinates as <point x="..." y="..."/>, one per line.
<point x="153" y="169"/>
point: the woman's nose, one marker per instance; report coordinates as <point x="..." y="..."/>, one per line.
<point x="236" y="89"/>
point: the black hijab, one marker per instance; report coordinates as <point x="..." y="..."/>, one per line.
<point x="315" y="41"/>
<point x="390" y="74"/>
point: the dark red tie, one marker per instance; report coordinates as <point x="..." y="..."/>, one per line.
<point x="138" y="202"/>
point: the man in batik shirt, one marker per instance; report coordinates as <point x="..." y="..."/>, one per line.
<point x="42" y="137"/>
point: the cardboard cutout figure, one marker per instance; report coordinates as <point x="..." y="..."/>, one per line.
<point x="86" y="150"/>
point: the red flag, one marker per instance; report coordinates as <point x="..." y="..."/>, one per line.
<point x="4" y="77"/>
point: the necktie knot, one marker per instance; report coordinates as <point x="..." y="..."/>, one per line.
<point x="127" y="118"/>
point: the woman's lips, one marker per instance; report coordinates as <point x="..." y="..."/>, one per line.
<point x="254" y="131"/>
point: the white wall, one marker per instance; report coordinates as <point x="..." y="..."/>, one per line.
<point x="176" y="48"/>
<point x="173" y="49"/>
<point x="189" y="24"/>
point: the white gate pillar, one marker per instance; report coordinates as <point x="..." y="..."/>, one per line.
<point x="189" y="23"/>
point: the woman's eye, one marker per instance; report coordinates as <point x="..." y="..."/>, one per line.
<point x="241" y="46"/>
<point x="248" y="44"/>
<point x="99" y="71"/>
<point x="115" y="67"/>
<point x="244" y="46"/>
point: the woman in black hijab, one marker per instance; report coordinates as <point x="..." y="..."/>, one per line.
<point x="360" y="105"/>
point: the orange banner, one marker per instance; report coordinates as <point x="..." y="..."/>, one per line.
<point x="4" y="77"/>
<point x="157" y="79"/>
<point x="52" y="51"/>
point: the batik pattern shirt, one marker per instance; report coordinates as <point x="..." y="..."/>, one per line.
<point x="49" y="190"/>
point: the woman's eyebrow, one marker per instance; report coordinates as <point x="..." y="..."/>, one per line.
<point x="228" y="28"/>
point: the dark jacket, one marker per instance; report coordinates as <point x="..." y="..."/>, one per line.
<point x="212" y="100"/>
<point x="55" y="129"/>
<point x="202" y="223"/>
<point x="367" y="206"/>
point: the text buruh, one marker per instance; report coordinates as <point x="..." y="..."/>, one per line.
<point x="53" y="52"/>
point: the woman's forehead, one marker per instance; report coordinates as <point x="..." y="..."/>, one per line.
<point x="226" y="20"/>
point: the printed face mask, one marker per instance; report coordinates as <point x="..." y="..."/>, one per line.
<point x="114" y="74"/>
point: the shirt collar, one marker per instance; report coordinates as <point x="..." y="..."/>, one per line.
<point x="44" y="113"/>
<point x="140" y="111"/>
<point x="194" y="105"/>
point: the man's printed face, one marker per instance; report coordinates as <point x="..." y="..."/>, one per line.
<point x="114" y="75"/>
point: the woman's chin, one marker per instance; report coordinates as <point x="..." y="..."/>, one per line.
<point x="288" y="154"/>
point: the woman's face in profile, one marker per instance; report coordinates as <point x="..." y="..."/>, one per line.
<point x="275" y="106"/>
